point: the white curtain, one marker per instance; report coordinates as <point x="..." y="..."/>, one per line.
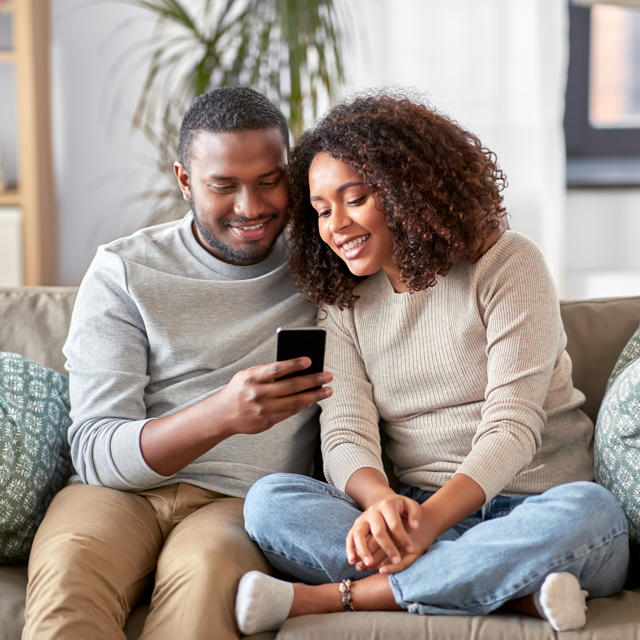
<point x="499" y="68"/>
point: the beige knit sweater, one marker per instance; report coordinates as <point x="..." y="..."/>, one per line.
<point x="470" y="376"/>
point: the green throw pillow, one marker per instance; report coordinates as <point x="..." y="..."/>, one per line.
<point x="34" y="454"/>
<point x="617" y="435"/>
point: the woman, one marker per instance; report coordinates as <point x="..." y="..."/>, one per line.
<point x="444" y="334"/>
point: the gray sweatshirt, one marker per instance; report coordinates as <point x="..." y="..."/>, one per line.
<point x="159" y="324"/>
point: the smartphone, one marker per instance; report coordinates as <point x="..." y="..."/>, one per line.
<point x="294" y="342"/>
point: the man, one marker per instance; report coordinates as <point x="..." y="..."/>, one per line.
<point x="177" y="408"/>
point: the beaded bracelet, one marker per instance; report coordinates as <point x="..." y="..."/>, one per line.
<point x="345" y="595"/>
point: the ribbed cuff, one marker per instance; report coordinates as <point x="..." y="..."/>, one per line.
<point x="341" y="463"/>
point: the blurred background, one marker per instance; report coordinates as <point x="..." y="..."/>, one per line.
<point x="92" y="93"/>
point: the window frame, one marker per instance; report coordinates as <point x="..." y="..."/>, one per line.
<point x="583" y="140"/>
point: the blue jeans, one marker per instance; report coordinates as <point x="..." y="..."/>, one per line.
<point x="501" y="552"/>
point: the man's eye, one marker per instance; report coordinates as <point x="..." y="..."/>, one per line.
<point x="222" y="188"/>
<point x="269" y="184"/>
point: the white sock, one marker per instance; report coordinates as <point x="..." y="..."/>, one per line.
<point x="262" y="603"/>
<point x="562" y="602"/>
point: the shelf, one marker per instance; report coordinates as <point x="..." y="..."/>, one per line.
<point x="35" y="195"/>
<point x="9" y="197"/>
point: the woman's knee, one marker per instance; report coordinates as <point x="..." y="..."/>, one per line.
<point x="591" y="504"/>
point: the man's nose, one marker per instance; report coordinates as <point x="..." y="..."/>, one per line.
<point x="249" y="202"/>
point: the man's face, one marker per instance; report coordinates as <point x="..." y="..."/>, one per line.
<point x="238" y="192"/>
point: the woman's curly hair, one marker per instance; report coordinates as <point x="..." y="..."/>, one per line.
<point x="440" y="189"/>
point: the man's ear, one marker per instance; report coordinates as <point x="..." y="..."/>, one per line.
<point x="183" y="180"/>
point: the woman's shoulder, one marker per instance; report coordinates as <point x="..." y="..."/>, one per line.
<point x="512" y="246"/>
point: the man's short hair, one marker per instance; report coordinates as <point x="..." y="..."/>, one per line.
<point x="229" y="109"/>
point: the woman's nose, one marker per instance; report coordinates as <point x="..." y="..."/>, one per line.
<point x="339" y="220"/>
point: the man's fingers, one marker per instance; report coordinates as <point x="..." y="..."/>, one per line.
<point x="274" y="370"/>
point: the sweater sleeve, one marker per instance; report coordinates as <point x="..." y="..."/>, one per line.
<point x="349" y="420"/>
<point x="525" y="337"/>
<point x="106" y="352"/>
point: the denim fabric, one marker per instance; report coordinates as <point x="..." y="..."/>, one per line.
<point x="501" y="552"/>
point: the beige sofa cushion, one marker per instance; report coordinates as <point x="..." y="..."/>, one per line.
<point x="614" y="618"/>
<point x="597" y="331"/>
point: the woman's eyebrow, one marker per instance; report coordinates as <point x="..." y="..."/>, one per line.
<point x="340" y="189"/>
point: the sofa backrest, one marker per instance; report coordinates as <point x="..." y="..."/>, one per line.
<point x="34" y="322"/>
<point x="597" y="331"/>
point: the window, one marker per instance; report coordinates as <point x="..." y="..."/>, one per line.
<point x="602" y="117"/>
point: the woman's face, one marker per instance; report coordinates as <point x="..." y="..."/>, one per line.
<point x="350" y="219"/>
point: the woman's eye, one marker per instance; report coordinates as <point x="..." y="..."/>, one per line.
<point x="270" y="183"/>
<point x="323" y="213"/>
<point x="356" y="201"/>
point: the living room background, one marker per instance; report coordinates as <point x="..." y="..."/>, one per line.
<point x="499" y="67"/>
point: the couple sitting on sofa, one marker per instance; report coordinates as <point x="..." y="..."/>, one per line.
<point x="443" y="331"/>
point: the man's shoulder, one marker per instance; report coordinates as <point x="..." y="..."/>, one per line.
<point x="140" y="242"/>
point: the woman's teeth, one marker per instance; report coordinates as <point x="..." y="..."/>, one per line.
<point x="348" y="246"/>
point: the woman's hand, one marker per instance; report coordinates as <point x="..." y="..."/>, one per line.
<point x="377" y="544"/>
<point x="383" y="532"/>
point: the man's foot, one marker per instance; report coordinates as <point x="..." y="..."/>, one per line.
<point x="262" y="603"/>
<point x="562" y="602"/>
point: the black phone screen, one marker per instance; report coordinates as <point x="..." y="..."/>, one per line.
<point x="294" y="342"/>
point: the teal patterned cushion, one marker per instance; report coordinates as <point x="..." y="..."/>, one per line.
<point x="617" y="435"/>
<point x="34" y="454"/>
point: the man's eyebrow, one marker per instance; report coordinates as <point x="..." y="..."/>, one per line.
<point x="340" y="189"/>
<point x="213" y="176"/>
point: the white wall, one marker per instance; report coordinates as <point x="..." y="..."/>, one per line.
<point x="100" y="163"/>
<point x="603" y="243"/>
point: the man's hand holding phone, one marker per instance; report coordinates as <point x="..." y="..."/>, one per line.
<point x="261" y="396"/>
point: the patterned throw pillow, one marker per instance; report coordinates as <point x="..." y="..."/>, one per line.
<point x="34" y="454"/>
<point x="617" y="435"/>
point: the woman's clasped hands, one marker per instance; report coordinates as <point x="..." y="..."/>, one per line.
<point x="389" y="535"/>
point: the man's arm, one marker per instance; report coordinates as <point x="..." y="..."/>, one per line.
<point x="113" y="441"/>
<point x="252" y="402"/>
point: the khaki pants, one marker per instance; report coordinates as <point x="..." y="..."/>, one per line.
<point x="96" y="549"/>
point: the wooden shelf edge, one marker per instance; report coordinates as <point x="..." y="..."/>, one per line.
<point x="9" y="197"/>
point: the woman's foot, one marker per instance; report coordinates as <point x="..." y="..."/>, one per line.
<point x="562" y="602"/>
<point x="263" y="603"/>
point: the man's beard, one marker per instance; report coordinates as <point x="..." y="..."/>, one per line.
<point x="240" y="257"/>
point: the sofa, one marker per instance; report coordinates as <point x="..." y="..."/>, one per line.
<point x="34" y="322"/>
